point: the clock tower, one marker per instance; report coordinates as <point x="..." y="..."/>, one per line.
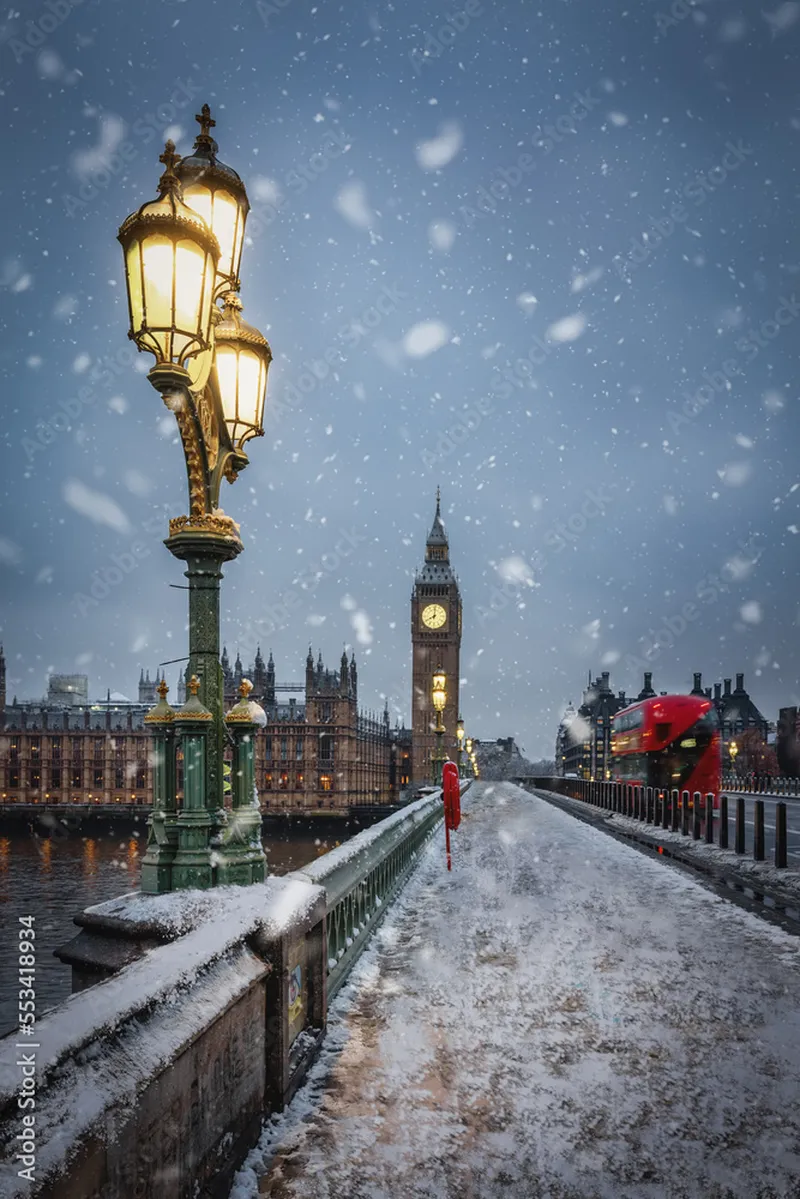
<point x="435" y="642"/>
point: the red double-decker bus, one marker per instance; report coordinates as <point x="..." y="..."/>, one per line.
<point x="670" y="741"/>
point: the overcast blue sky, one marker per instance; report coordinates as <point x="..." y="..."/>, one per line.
<point x="533" y="352"/>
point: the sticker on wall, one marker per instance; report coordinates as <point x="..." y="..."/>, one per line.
<point x="295" y="993"/>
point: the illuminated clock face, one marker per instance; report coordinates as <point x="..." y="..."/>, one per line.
<point x="434" y="616"/>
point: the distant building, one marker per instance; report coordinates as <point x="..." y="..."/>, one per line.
<point x="583" y="740"/>
<point x="318" y="752"/>
<point x="787" y="742"/>
<point x="69" y="689"/>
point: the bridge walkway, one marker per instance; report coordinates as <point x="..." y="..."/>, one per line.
<point x="559" y="1018"/>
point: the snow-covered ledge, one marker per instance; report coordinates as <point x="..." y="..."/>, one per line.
<point x="121" y="1067"/>
<point x="215" y="1007"/>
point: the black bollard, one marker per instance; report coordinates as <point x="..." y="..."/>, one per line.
<point x="723" y="822"/>
<point x="676" y="811"/>
<point x="780" y="835"/>
<point x="696" y="813"/>
<point x="665" y="810"/>
<point x="739" y="833"/>
<point x="709" y="819"/>
<point x="758" y="831"/>
<point x="685" y="813"/>
<point x="649" y="806"/>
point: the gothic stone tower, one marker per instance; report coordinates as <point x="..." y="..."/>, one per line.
<point x="435" y="641"/>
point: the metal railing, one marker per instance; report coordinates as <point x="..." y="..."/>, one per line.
<point x="701" y="817"/>
<point x="760" y="784"/>
<point x="362" y="876"/>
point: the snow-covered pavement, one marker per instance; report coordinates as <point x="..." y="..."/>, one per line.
<point x="559" y="1018"/>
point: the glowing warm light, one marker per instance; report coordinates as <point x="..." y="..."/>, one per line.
<point x="242" y="361"/>
<point x="170" y="269"/>
<point x="221" y="212"/>
<point x="439" y="692"/>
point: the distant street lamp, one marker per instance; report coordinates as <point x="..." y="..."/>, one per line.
<point x="439" y="701"/>
<point x="182" y="255"/>
<point x="460" y="736"/>
<point x="733" y="750"/>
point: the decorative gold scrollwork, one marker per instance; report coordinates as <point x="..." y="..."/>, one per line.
<point x="208" y="423"/>
<point x="194" y="460"/>
<point x="205" y="523"/>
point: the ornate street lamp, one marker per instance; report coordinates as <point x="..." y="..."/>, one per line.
<point x="182" y="253"/>
<point x="439" y="701"/>
<point x="460" y="736"/>
<point x="733" y="750"/>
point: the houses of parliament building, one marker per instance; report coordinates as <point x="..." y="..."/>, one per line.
<point x="319" y="752"/>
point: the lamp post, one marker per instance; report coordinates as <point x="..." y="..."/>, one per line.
<point x="439" y="701"/>
<point x="182" y="256"/>
<point x="733" y="750"/>
<point x="460" y="736"/>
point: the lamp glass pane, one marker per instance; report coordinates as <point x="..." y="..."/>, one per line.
<point x="158" y="270"/>
<point x="199" y="197"/>
<point x="199" y="368"/>
<point x="238" y="243"/>
<point x="134" y="286"/>
<point x="208" y="299"/>
<point x="220" y="211"/>
<point x="190" y="272"/>
<point x="228" y="376"/>
<point x="249" y="381"/>
<point x="223" y="224"/>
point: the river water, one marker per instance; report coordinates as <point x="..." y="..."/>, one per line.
<point x="53" y="878"/>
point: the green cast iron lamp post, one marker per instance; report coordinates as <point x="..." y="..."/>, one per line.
<point x="182" y="256"/>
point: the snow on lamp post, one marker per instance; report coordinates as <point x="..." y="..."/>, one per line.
<point x="182" y="254"/>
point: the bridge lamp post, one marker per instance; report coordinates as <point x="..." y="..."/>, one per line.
<point x="182" y="255"/>
<point x="439" y="701"/>
<point x="733" y="750"/>
<point x="460" y="736"/>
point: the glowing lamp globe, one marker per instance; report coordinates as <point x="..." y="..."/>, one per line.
<point x="216" y="192"/>
<point x="242" y="359"/>
<point x="171" y="261"/>
<point x="439" y="693"/>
